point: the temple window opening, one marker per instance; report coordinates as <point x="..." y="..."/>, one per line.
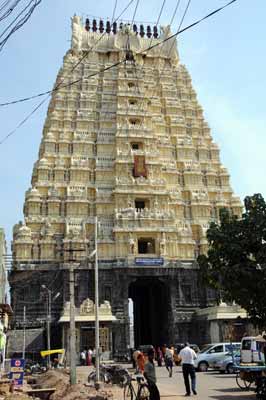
<point x="141" y="204"/>
<point x="146" y="246"/>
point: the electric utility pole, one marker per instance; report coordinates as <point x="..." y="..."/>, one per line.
<point x="24" y="332"/>
<point x="73" y="357"/>
<point x="96" y="282"/>
<point x="72" y="327"/>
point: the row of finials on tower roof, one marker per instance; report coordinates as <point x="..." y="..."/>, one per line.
<point x="114" y="27"/>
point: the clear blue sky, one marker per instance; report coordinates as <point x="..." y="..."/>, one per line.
<point x="225" y="56"/>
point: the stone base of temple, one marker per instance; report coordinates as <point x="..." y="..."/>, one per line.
<point x="169" y="306"/>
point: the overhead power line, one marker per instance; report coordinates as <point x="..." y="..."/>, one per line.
<point x="18" y="22"/>
<point x="175" y="11"/>
<point x="97" y="41"/>
<point x="195" y="23"/>
<point x="62" y="80"/>
<point x="141" y="105"/>
<point x="24" y="99"/>
<point x="169" y="52"/>
<point x="103" y="70"/>
<point x="120" y="20"/>
<point x="150" y="42"/>
<point x="6" y="8"/>
<point x="160" y="13"/>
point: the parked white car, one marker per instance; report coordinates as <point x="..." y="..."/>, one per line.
<point x="212" y="353"/>
<point x="227" y="363"/>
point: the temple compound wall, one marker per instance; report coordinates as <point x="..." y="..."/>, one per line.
<point x="125" y="140"/>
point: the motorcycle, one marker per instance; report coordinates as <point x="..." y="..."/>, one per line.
<point x="114" y="374"/>
<point x="34" y="368"/>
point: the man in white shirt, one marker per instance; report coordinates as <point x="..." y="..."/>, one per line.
<point x="188" y="356"/>
<point x="83" y="357"/>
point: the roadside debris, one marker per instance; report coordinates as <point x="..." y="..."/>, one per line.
<point x="54" y="385"/>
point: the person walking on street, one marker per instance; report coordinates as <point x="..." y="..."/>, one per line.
<point x="168" y="359"/>
<point x="140" y="362"/>
<point x="150" y="375"/>
<point x="88" y="359"/>
<point x="83" y="357"/>
<point x="135" y="358"/>
<point x="188" y="356"/>
<point x="93" y="356"/>
<point x="132" y="359"/>
<point x="159" y="356"/>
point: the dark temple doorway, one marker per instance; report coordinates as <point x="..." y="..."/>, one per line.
<point x="150" y="311"/>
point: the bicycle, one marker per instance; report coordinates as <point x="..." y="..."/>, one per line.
<point x="142" y="392"/>
<point x="242" y="383"/>
<point x="246" y="379"/>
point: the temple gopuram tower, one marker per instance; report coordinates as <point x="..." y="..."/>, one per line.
<point x="125" y="140"/>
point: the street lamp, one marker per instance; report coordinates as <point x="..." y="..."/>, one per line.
<point x="48" y="322"/>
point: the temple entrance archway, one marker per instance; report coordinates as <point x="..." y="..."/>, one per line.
<point x="150" y="311"/>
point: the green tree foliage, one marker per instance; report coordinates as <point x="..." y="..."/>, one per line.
<point x="235" y="264"/>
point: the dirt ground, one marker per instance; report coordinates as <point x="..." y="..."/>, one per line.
<point x="58" y="379"/>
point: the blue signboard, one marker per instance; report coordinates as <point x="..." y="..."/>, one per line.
<point x="17" y="371"/>
<point x="143" y="261"/>
<point x="17" y="378"/>
<point x="18" y="364"/>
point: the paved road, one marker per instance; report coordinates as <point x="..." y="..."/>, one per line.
<point x="210" y="386"/>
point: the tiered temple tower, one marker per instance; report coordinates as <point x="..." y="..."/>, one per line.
<point x="129" y="144"/>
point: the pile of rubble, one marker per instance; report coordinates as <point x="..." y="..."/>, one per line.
<point x="56" y="379"/>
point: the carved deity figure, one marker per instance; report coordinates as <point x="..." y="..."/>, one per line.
<point x="132" y="245"/>
<point x="87" y="307"/>
<point x="126" y="38"/>
<point x="76" y="33"/>
<point x="47" y="229"/>
<point x="74" y="232"/>
<point x="105" y="308"/>
<point x="53" y="192"/>
<point x="169" y="48"/>
<point x="163" y="245"/>
<point x="184" y="229"/>
<point x="165" y="31"/>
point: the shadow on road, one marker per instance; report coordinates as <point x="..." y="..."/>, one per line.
<point x="229" y="389"/>
<point x="218" y="375"/>
<point x="224" y="376"/>
<point x="235" y="394"/>
<point x="230" y="397"/>
<point x="234" y="390"/>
